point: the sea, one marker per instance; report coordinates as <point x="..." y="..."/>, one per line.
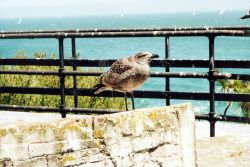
<point x="227" y="48"/>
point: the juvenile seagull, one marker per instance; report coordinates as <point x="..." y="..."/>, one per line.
<point x="126" y="74"/>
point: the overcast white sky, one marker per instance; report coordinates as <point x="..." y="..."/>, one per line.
<point x="47" y="8"/>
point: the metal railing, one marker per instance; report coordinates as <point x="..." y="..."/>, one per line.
<point x="210" y="32"/>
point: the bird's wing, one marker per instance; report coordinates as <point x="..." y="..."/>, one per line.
<point x="119" y="71"/>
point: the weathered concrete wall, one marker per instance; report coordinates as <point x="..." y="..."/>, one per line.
<point x="146" y="137"/>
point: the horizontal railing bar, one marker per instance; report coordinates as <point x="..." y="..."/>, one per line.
<point x="25" y="62"/>
<point x="152" y="74"/>
<point x="30" y="90"/>
<point x="224" y="118"/>
<point x="201" y="116"/>
<point x="28" y="108"/>
<point x="130" y="29"/>
<point x="234" y="76"/>
<point x="235" y="119"/>
<point x="106" y="63"/>
<point x="26" y="72"/>
<point x="200" y="75"/>
<point x="92" y="110"/>
<point x="127" y="34"/>
<point x="201" y="63"/>
<point x="137" y="94"/>
<point x="54" y="109"/>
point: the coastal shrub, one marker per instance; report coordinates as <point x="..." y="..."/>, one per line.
<point x="236" y="86"/>
<point x="51" y="82"/>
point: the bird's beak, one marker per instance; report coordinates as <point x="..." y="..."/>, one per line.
<point x="154" y="56"/>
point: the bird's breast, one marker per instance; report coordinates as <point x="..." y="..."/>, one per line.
<point x="135" y="81"/>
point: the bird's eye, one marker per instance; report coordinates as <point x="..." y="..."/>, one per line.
<point x="139" y="56"/>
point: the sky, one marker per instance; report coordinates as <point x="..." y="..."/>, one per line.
<point x="57" y="8"/>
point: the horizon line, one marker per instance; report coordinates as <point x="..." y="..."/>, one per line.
<point x="220" y="12"/>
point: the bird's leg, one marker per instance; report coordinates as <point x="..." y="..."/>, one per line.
<point x="132" y="98"/>
<point x="125" y="96"/>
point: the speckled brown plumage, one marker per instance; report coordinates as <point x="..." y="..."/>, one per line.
<point x="126" y="74"/>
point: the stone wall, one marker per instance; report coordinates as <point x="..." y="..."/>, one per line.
<point x="147" y="137"/>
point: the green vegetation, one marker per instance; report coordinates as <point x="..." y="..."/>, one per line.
<point x="236" y="86"/>
<point x="51" y="82"/>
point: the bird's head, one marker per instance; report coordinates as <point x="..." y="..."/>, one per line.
<point x="145" y="57"/>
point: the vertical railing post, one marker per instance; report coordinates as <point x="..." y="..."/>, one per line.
<point x="212" y="119"/>
<point x="167" y="81"/>
<point x="73" y="42"/>
<point x="62" y="77"/>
